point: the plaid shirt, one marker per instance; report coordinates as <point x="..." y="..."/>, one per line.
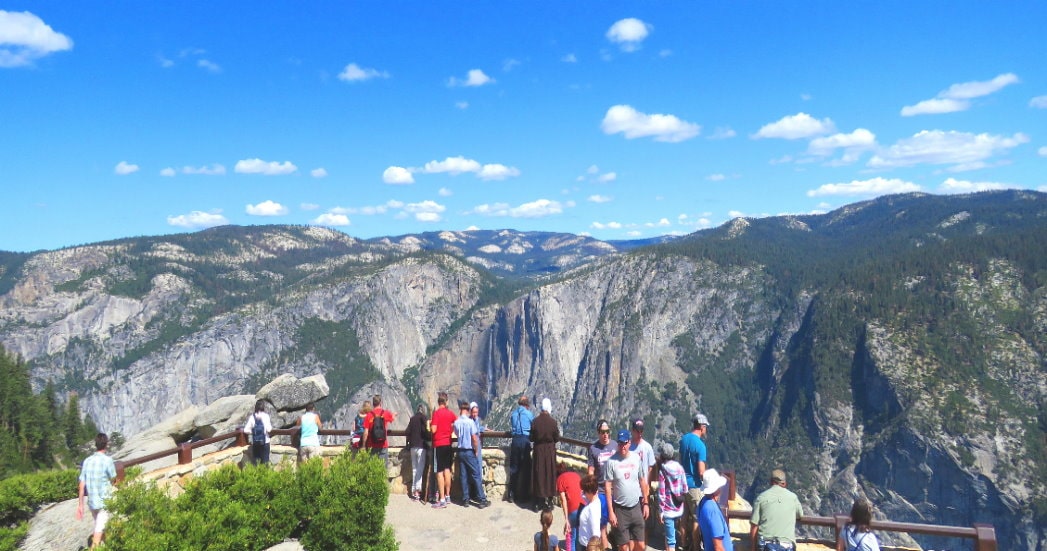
<point x="671" y="480"/>
<point x="96" y="474"/>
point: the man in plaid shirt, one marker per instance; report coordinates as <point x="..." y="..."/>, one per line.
<point x="96" y="476"/>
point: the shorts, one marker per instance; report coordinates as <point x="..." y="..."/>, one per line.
<point x="630" y="525"/>
<point x="604" y="515"/>
<point x="308" y="452"/>
<point x="444" y="458"/>
<point x="101" y="517"/>
<point x="690" y="506"/>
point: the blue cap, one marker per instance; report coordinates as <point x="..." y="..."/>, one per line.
<point x="623" y="436"/>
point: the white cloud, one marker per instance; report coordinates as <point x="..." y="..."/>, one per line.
<point x="952" y="185"/>
<point x="445" y="192"/>
<point x="628" y="33"/>
<point x="425" y="206"/>
<point x="1042" y="151"/>
<point x="258" y="166"/>
<point x="208" y="66"/>
<point x="607" y="226"/>
<point x="723" y="133"/>
<point x="123" y="168"/>
<point x="266" y="208"/>
<point x="732" y="214"/>
<point x="634" y="124"/>
<point x="427" y="217"/>
<point x="463" y="105"/>
<point x="665" y="53"/>
<point x="607" y="177"/>
<point x="213" y="170"/>
<point x="569" y="58"/>
<point x="664" y="222"/>
<point x="198" y="219"/>
<point x="936" y="106"/>
<point x="961" y="149"/>
<point x="792" y="127"/>
<point x="600" y="199"/>
<point x="331" y="219"/>
<point x="634" y="233"/>
<point x="24" y="38"/>
<point x="318" y="172"/>
<point x="1039" y="102"/>
<point x="497" y="172"/>
<point x="860" y="138"/>
<point x="716" y="177"/>
<point x="397" y="175"/>
<point x="475" y="77"/>
<point x="356" y="73"/>
<point x="308" y="206"/>
<point x="169" y="172"/>
<point x="871" y="187"/>
<point x="452" y="165"/>
<point x="534" y="209"/>
<point x="509" y="64"/>
<point x="593" y="169"/>
<point x="955" y="98"/>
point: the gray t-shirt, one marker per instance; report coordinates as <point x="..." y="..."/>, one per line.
<point x="625" y="475"/>
<point x="646" y="453"/>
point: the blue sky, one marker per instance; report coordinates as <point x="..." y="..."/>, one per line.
<point x="616" y="119"/>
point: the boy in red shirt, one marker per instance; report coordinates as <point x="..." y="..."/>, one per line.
<point x="441" y="424"/>
<point x="378" y="444"/>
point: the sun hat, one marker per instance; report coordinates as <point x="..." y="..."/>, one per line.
<point x="473" y="405"/>
<point x="712" y="481"/>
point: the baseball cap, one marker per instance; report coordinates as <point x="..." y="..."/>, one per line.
<point x="700" y="419"/>
<point x="624" y="436"/>
<point x="777" y="475"/>
<point x="637" y="425"/>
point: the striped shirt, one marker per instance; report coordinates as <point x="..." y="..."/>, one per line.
<point x="96" y="474"/>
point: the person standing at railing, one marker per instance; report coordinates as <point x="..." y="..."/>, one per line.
<point x="417" y="439"/>
<point x="858" y="534"/>
<point x="474" y="414"/>
<point x="469" y="459"/>
<point x="441" y="426"/>
<point x="775" y="512"/>
<point x="309" y="424"/>
<point x="520" y="452"/>
<point x="693" y="458"/>
<point x="545" y="433"/>
<point x="96" y="485"/>
<point x="259" y="426"/>
<point x="356" y="441"/>
<point x="597" y="455"/>
<point x="376" y="432"/>
<point x="716" y="535"/>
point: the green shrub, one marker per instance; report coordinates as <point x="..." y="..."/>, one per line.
<point x="350" y="511"/>
<point x="22" y="495"/>
<point x="342" y="507"/>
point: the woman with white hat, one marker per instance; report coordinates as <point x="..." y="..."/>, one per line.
<point x="715" y="533"/>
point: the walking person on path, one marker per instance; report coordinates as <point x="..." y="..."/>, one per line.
<point x="96" y="485"/>
<point x="626" y="487"/>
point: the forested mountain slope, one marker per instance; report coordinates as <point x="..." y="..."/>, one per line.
<point x="893" y="348"/>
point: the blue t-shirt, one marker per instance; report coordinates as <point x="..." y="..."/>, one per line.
<point x="713" y="525"/>
<point x="692" y="450"/>
<point x="465" y="428"/>
<point x="520" y="421"/>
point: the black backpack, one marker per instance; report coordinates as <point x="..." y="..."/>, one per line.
<point x="258" y="431"/>
<point x="378" y="428"/>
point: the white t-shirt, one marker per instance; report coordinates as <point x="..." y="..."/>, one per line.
<point x="860" y="541"/>
<point x="589" y="522"/>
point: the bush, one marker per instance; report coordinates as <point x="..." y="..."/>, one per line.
<point x="21" y="496"/>
<point x="342" y="507"/>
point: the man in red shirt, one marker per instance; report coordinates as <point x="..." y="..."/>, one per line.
<point x="441" y="425"/>
<point x="377" y="442"/>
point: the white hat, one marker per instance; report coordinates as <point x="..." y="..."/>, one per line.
<point x="547" y="405"/>
<point x="472" y="405"/>
<point x="712" y="481"/>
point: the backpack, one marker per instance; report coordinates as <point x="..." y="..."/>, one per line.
<point x="378" y="428"/>
<point x="258" y="431"/>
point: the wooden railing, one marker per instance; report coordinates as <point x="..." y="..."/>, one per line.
<point x="984" y="535"/>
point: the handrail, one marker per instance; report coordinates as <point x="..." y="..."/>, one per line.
<point x="984" y="535"/>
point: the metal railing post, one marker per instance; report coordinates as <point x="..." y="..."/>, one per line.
<point x="986" y="537"/>
<point x="185" y="453"/>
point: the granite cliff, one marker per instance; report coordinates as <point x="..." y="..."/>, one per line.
<point x="893" y="348"/>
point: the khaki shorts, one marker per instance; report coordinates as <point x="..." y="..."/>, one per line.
<point x="308" y="452"/>
<point x="101" y="517"/>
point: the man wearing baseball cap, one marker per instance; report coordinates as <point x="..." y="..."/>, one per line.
<point x="642" y="447"/>
<point x="693" y="459"/>
<point x="625" y="483"/>
<point x="775" y="512"/>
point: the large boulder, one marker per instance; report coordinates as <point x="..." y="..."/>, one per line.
<point x="288" y="392"/>
<point x="223" y="415"/>
<point x="55" y="527"/>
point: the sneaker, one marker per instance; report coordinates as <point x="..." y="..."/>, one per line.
<point x="412" y="496"/>
<point x="440" y="505"/>
<point x="483" y="504"/>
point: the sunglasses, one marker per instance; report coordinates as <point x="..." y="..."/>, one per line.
<point x="605" y="431"/>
